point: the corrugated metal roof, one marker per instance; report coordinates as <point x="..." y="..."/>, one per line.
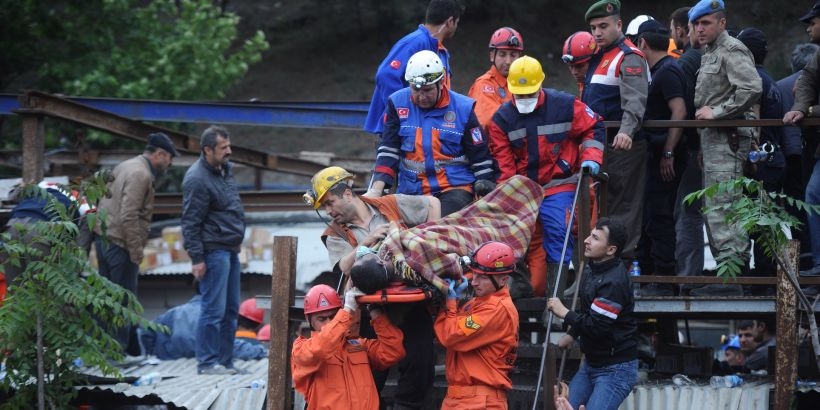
<point x="183" y="387"/>
<point x="753" y="395"/>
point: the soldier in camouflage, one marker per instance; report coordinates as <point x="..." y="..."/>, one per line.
<point x="728" y="87"/>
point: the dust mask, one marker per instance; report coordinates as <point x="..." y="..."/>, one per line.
<point x="526" y="105"/>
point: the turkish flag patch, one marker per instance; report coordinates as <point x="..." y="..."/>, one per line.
<point x="488" y="89"/>
<point x="395" y="64"/>
<point x="403" y="112"/>
<point x="633" y="70"/>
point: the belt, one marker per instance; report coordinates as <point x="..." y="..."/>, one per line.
<point x="572" y="179"/>
<point x="419" y="167"/>
<point x="478" y="390"/>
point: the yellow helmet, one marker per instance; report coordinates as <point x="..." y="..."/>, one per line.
<point x="525" y="76"/>
<point x="322" y="182"/>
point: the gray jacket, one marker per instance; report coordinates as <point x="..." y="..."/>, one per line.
<point x="212" y="213"/>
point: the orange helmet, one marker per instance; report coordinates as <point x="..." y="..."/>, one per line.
<point x="493" y="258"/>
<point x="249" y="311"/>
<point x="321" y="298"/>
<point x="264" y="334"/>
<point x="506" y="38"/>
<point x="578" y="48"/>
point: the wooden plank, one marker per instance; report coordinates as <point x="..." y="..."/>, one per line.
<point x="282" y="291"/>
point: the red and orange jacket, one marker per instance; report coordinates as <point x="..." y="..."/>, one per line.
<point x="334" y="372"/>
<point x="489" y="91"/>
<point x="548" y="144"/>
<point x="481" y="339"/>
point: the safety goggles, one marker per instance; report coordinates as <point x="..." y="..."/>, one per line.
<point x="513" y="41"/>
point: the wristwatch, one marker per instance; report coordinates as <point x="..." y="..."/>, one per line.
<point x="668" y="154"/>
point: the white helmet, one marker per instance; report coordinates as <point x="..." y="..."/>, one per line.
<point x="424" y="68"/>
<point x="632" y="28"/>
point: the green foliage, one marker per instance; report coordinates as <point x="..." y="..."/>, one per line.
<point x="53" y="307"/>
<point x="758" y="212"/>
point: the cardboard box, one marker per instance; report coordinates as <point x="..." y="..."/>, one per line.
<point x="149" y="259"/>
<point x="261" y="244"/>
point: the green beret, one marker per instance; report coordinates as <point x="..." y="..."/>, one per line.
<point x="603" y="8"/>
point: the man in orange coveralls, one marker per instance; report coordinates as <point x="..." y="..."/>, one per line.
<point x="333" y="371"/>
<point x="481" y="336"/>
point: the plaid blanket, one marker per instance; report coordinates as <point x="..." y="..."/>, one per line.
<point x="427" y="252"/>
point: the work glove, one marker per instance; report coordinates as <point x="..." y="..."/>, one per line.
<point x="592" y="166"/>
<point x="456" y="291"/>
<point x="483" y="187"/>
<point x="350" y="299"/>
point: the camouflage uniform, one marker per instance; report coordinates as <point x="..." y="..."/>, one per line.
<point x="727" y="82"/>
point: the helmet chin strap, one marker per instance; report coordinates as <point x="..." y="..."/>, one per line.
<point x="495" y="283"/>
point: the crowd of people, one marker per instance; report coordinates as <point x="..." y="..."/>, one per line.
<point x="435" y="143"/>
<point x="446" y="159"/>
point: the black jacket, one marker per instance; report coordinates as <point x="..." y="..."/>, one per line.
<point x="604" y="323"/>
<point x="212" y="213"/>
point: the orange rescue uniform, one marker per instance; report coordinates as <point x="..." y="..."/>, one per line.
<point x="333" y="372"/>
<point x="489" y="91"/>
<point x="481" y="339"/>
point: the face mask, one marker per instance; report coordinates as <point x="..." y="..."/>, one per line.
<point x="526" y="105"/>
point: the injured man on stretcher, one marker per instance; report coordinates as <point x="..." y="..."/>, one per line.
<point x="424" y="255"/>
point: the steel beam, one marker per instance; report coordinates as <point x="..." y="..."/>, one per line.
<point x="327" y="115"/>
<point x="37" y="103"/>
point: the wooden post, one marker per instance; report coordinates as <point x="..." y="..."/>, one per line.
<point x="786" y="349"/>
<point x="282" y="295"/>
<point x="549" y="380"/>
<point x="34" y="147"/>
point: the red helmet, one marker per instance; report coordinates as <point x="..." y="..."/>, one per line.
<point x="506" y="38"/>
<point x="493" y="258"/>
<point x="321" y="298"/>
<point x="249" y="311"/>
<point x="264" y="334"/>
<point x="578" y="48"/>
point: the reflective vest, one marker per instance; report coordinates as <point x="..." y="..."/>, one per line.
<point x="433" y="159"/>
<point x="602" y="87"/>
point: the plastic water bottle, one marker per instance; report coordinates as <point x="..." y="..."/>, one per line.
<point x="634" y="271"/>
<point x="148" y="379"/>
<point x="725" y="381"/>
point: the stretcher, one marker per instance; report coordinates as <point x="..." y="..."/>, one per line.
<point x="397" y="292"/>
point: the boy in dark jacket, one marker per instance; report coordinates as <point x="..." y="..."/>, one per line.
<point x="604" y="324"/>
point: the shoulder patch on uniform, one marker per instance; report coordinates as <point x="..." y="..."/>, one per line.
<point x="589" y="112"/>
<point x="633" y="70"/>
<point x="403" y="112"/>
<point x="395" y="64"/>
<point x="487" y="89"/>
<point x="478" y="138"/>
<point x="469" y="325"/>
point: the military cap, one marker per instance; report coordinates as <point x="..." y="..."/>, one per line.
<point x="705" y="7"/>
<point x="603" y="8"/>
<point x="814" y="12"/>
<point x="160" y="140"/>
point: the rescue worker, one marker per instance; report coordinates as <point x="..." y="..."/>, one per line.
<point x="363" y="221"/>
<point x="616" y="88"/>
<point x="547" y="136"/>
<point x="604" y="324"/>
<point x="331" y="370"/>
<point x="250" y="318"/>
<point x="440" y="24"/>
<point x="577" y="51"/>
<point x="481" y="335"/>
<point x="490" y="89"/>
<point x="728" y="87"/>
<point x="432" y="143"/>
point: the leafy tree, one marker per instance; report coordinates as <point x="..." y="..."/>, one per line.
<point x="761" y="215"/>
<point x="51" y="316"/>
